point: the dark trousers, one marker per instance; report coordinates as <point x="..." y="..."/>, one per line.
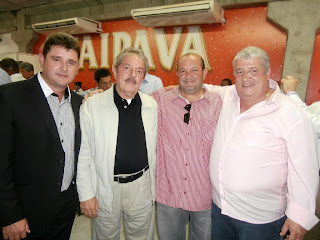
<point x="227" y="228"/>
<point x="59" y="228"/>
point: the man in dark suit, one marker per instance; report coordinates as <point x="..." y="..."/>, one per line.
<point x="39" y="146"/>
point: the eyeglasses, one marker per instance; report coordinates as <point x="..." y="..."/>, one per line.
<point x="186" y="117"/>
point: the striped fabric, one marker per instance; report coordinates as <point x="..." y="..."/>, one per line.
<point x="64" y="119"/>
<point x="183" y="150"/>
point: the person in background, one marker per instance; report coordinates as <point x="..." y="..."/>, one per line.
<point x="263" y="164"/>
<point x="150" y="84"/>
<point x="77" y="88"/>
<point x="187" y="118"/>
<point x="103" y="79"/>
<point x="289" y="86"/>
<point x="226" y="82"/>
<point x="12" y="68"/>
<point x="40" y="142"/>
<point x="26" y="69"/>
<point x="4" y="77"/>
<point x="116" y="169"/>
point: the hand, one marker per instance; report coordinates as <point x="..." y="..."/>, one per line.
<point x="16" y="231"/>
<point x="289" y="84"/>
<point x="170" y="87"/>
<point x="90" y="207"/>
<point x="297" y="232"/>
<point x="91" y="94"/>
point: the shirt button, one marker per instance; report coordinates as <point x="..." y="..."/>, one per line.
<point x="184" y="192"/>
<point x="186" y="164"/>
<point x="188" y="133"/>
<point x="62" y="140"/>
<point x="125" y="106"/>
<point x="185" y="178"/>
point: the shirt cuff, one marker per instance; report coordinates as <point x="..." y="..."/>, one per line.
<point x="301" y="216"/>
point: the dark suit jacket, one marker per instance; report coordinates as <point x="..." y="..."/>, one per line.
<point x="31" y="156"/>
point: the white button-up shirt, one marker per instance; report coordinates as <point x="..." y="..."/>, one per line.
<point x="263" y="161"/>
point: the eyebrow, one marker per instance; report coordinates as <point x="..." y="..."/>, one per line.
<point x="60" y="57"/>
<point x="127" y="64"/>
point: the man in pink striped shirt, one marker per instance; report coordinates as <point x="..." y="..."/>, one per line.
<point x="187" y="118"/>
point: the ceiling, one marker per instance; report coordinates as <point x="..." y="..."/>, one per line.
<point x="15" y="5"/>
<point x="9" y="8"/>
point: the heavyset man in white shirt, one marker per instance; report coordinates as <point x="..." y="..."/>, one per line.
<point x="263" y="164"/>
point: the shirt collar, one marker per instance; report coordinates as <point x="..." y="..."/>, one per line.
<point x="47" y="91"/>
<point x="118" y="98"/>
<point x="177" y="94"/>
<point x="277" y="92"/>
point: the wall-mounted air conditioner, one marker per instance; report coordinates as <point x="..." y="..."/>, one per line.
<point x="199" y="12"/>
<point x="72" y="26"/>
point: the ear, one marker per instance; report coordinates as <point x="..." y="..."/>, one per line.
<point x="41" y="59"/>
<point x="78" y="67"/>
<point x="269" y="73"/>
<point x="114" y="70"/>
<point x="204" y="74"/>
<point x="177" y="73"/>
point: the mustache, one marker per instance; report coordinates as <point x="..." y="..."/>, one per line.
<point x="131" y="79"/>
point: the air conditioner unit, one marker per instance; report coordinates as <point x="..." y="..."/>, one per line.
<point x="72" y="26"/>
<point x="199" y="12"/>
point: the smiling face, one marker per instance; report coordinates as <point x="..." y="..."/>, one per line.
<point x="60" y="66"/>
<point x="251" y="80"/>
<point x="190" y="74"/>
<point x="129" y="76"/>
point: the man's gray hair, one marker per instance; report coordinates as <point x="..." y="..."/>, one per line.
<point x="129" y="52"/>
<point x="250" y="52"/>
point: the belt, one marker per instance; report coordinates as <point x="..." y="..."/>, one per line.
<point x="130" y="178"/>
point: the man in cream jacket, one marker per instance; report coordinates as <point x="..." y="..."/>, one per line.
<point x="116" y="167"/>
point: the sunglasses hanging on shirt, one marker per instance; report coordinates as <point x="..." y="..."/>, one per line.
<point x="186" y="117"/>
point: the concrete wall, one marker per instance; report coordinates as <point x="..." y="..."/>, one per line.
<point x="298" y="17"/>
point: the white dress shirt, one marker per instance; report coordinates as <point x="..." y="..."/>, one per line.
<point x="263" y="162"/>
<point x="4" y="77"/>
<point x="313" y="111"/>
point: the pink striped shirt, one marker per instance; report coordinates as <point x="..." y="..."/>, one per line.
<point x="183" y="150"/>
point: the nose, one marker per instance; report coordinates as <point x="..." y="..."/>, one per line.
<point x="134" y="72"/>
<point x="63" y="66"/>
<point x="248" y="74"/>
<point x="188" y="74"/>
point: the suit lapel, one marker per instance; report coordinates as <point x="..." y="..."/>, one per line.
<point x="41" y="105"/>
